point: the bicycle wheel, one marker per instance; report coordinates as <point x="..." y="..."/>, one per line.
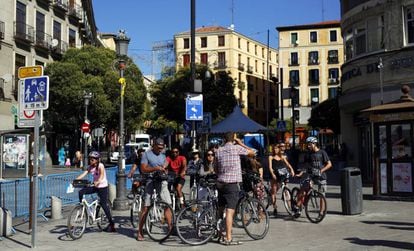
<point x="195" y="223"/>
<point x="193" y="194"/>
<point x="237" y="219"/>
<point x="315" y="206"/>
<point x="135" y="211"/>
<point x="287" y="200"/>
<point x="267" y="199"/>
<point x="156" y="222"/>
<point x="77" y="222"/>
<point x="255" y="218"/>
<point x="101" y="219"/>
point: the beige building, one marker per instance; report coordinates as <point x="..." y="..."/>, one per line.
<point x="247" y="61"/>
<point x="35" y="33"/>
<point x="310" y="59"/>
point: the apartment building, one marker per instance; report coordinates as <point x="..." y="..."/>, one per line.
<point x="36" y="32"/>
<point x="310" y="59"/>
<point x="250" y="63"/>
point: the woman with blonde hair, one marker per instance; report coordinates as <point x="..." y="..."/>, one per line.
<point x="278" y="167"/>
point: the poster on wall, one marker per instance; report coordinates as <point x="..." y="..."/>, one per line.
<point x="401" y="177"/>
<point x="15" y="151"/>
<point x="383" y="168"/>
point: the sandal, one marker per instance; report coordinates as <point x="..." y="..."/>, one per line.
<point x="140" y="238"/>
<point x="230" y="243"/>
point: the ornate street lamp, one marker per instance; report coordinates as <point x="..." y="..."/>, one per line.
<point x="121" y="201"/>
<point x="87" y="96"/>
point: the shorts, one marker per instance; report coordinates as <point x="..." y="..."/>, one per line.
<point x="179" y="180"/>
<point x="163" y="191"/>
<point x="228" y="194"/>
<point x="322" y="187"/>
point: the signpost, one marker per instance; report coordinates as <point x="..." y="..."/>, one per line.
<point x="30" y="71"/>
<point x="34" y="93"/>
<point x="194" y="107"/>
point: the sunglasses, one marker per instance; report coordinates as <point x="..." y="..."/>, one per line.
<point x="210" y="154"/>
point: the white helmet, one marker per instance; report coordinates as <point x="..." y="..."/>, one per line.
<point x="311" y="139"/>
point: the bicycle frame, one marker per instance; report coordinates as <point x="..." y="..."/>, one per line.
<point x="91" y="209"/>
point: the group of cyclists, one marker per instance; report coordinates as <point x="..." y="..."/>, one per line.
<point x="220" y="160"/>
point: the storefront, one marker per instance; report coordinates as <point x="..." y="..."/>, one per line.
<point x="392" y="125"/>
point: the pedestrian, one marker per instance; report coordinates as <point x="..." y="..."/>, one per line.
<point x="77" y="159"/>
<point x="152" y="161"/>
<point x="279" y="168"/>
<point x="229" y="175"/>
<point x="177" y="164"/>
<point x="136" y="163"/>
<point x="318" y="163"/>
<point x="209" y="164"/>
<point x="100" y="186"/>
<point x="194" y="166"/>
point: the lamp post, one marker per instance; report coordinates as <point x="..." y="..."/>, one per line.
<point x="121" y="201"/>
<point x="87" y="96"/>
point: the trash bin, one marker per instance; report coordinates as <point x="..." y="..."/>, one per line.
<point x="351" y="191"/>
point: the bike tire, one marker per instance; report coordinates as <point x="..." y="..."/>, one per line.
<point x="101" y="219"/>
<point x="237" y="219"/>
<point x="156" y="223"/>
<point x="287" y="200"/>
<point x="267" y="199"/>
<point x="77" y="222"/>
<point x="315" y="206"/>
<point x="135" y="211"/>
<point x="196" y="223"/>
<point x="255" y="218"/>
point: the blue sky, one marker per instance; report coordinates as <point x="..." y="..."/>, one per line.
<point x="149" y="21"/>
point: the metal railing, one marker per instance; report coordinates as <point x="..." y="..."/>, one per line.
<point x="23" y="31"/>
<point x="43" y="40"/>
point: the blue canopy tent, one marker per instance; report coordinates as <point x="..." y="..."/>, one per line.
<point x="237" y="122"/>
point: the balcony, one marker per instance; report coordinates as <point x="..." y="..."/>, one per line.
<point x="60" y="48"/>
<point x="333" y="81"/>
<point x="75" y="11"/>
<point x="23" y="32"/>
<point x="241" y="67"/>
<point x="313" y="82"/>
<point x="43" y="40"/>
<point x="293" y="62"/>
<point x="220" y="65"/>
<point x="61" y="5"/>
<point x="294" y="82"/>
<point x="249" y="69"/>
<point x="333" y="60"/>
<point x="313" y="61"/>
<point x="241" y="85"/>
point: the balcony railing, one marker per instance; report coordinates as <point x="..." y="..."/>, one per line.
<point x="313" y="81"/>
<point x="2" y="30"/>
<point x="293" y="82"/>
<point x="249" y="69"/>
<point x="75" y="10"/>
<point x="23" y="32"/>
<point x="220" y="65"/>
<point x="333" y="81"/>
<point x="43" y="40"/>
<point x="333" y="60"/>
<point x="313" y="61"/>
<point x="241" y="67"/>
<point x="61" y="4"/>
<point x="293" y="62"/>
<point x="60" y="48"/>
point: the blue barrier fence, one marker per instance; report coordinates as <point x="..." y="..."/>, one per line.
<point x="15" y="194"/>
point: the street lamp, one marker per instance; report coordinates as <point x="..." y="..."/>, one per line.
<point x="87" y="96"/>
<point x="121" y="201"/>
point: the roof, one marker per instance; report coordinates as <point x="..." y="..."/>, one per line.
<point x="320" y="25"/>
<point x="207" y="29"/>
<point x="237" y="121"/>
<point x="405" y="102"/>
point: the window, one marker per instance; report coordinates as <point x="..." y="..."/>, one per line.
<point x="332" y="92"/>
<point x="294" y="77"/>
<point x="313" y="37"/>
<point x="349" y="44"/>
<point x="40" y="28"/>
<point x="360" y="40"/>
<point x="186" y="43"/>
<point x="314" y="96"/>
<point x="239" y="43"/>
<point x="270" y="70"/>
<point x="255" y="49"/>
<point x="263" y="68"/>
<point x="248" y="46"/>
<point x="314" y="77"/>
<point x="57" y="30"/>
<point x="255" y="66"/>
<point x="204" y="58"/>
<point x="333" y="57"/>
<point x="333" y="75"/>
<point x="20" y="61"/>
<point x="203" y="42"/>
<point x="257" y="101"/>
<point x="20" y="19"/>
<point x="222" y="59"/>
<point x="221" y="41"/>
<point x="294" y="58"/>
<point x="186" y="60"/>
<point x="263" y="53"/>
<point x="333" y="36"/>
<point x="375" y="33"/>
<point x="409" y="23"/>
<point x="313" y="58"/>
<point x="72" y="38"/>
<point x="294" y="38"/>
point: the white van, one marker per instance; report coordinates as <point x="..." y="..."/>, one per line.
<point x="143" y="137"/>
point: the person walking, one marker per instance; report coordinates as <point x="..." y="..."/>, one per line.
<point x="279" y="167"/>
<point x="229" y="175"/>
<point x="100" y="182"/>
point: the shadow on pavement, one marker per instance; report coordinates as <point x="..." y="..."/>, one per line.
<point x="382" y="243"/>
<point x="393" y="224"/>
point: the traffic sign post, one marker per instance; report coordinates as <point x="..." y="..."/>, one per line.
<point x="281" y="126"/>
<point x="85" y="127"/>
<point x="34" y="93"/>
<point x="30" y="71"/>
<point x="194" y="107"/>
<point x="26" y="118"/>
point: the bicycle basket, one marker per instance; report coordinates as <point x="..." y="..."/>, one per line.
<point x="80" y="183"/>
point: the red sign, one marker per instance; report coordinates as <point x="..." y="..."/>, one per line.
<point x="85" y="127"/>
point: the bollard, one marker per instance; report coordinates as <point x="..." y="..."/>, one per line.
<point x="112" y="193"/>
<point x="56" y="208"/>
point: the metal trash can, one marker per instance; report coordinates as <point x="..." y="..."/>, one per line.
<point x="351" y="191"/>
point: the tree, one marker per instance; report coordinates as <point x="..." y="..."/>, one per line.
<point x="326" y="115"/>
<point x="169" y="94"/>
<point x="94" y="70"/>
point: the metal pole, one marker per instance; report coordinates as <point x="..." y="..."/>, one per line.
<point x="85" y="149"/>
<point x="282" y="117"/>
<point x="381" y="66"/>
<point x="267" y="90"/>
<point x="34" y="177"/>
<point x="192" y="64"/>
<point x="293" y="119"/>
<point x="121" y="202"/>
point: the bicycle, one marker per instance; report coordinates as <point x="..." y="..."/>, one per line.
<point x="286" y="194"/>
<point x="313" y="201"/>
<point x="156" y="221"/>
<point x="175" y="199"/>
<point x="199" y="221"/>
<point x="137" y="198"/>
<point x="85" y="212"/>
<point x="251" y="211"/>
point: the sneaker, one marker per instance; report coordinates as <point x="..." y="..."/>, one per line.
<point x="296" y="212"/>
<point x="110" y="228"/>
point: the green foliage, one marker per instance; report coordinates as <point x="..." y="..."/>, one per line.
<point x="169" y="94"/>
<point x="93" y="70"/>
<point x="326" y="115"/>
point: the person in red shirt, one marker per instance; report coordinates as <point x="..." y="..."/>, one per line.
<point x="178" y="164"/>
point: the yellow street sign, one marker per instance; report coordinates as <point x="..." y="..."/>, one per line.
<point x="30" y="71"/>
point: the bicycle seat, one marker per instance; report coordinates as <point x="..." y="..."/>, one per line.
<point x="81" y="183"/>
